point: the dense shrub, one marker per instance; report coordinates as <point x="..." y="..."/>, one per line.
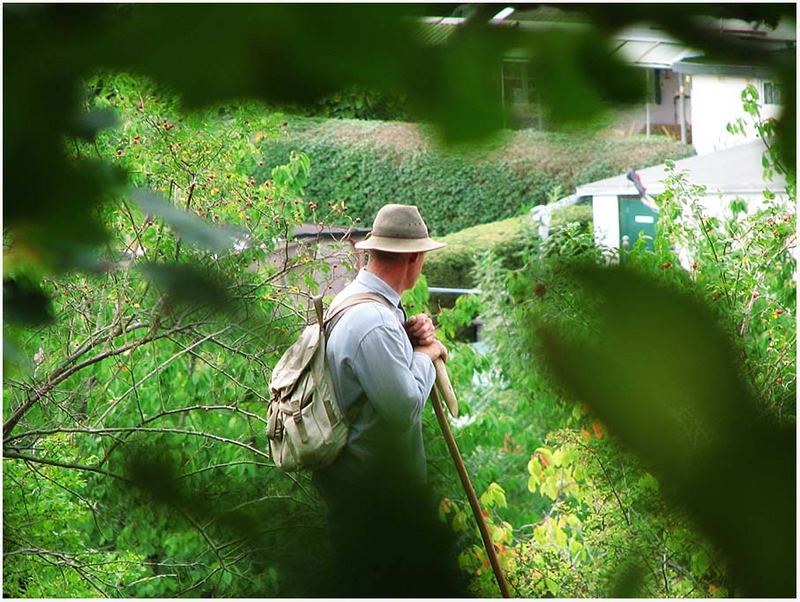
<point x="367" y="164"/>
<point x="358" y="103"/>
<point x="453" y="266"/>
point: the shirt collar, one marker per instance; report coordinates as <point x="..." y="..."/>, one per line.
<point x="374" y="283"/>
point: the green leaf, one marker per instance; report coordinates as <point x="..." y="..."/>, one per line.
<point x="88" y="125"/>
<point x="700" y="564"/>
<point x="189" y="285"/>
<point x="498" y="495"/>
<point x="559" y="537"/>
<point x="24" y="302"/>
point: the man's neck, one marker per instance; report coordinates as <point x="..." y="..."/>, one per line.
<point x="392" y="277"/>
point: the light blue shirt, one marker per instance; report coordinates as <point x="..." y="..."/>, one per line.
<point x="377" y="374"/>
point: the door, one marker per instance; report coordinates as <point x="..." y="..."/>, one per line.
<point x="635" y="219"/>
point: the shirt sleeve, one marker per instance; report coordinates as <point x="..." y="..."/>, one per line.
<point x="396" y="380"/>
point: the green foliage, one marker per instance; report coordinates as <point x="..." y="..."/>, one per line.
<point x="742" y="265"/>
<point x="454" y="266"/>
<point x="689" y="429"/>
<point x="585" y="517"/>
<point x="357" y="103"/>
<point x="366" y="164"/>
<point x="415" y="300"/>
<point x="159" y="394"/>
<point x="49" y="511"/>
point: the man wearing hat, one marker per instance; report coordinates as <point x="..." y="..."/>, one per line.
<point x="381" y="364"/>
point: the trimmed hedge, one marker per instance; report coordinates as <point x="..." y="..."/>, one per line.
<point x="370" y="163"/>
<point x="453" y="266"/>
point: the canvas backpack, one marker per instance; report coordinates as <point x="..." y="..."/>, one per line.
<point x="305" y="427"/>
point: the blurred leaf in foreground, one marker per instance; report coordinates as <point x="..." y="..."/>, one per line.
<point x="24" y="302"/>
<point x="186" y="284"/>
<point x="664" y="378"/>
<point x="187" y="225"/>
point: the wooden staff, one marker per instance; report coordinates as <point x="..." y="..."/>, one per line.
<point x="443" y="383"/>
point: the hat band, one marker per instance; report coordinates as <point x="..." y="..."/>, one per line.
<point x="395" y="235"/>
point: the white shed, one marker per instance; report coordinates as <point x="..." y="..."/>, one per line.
<point x="620" y="214"/>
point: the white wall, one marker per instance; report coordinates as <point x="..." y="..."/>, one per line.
<point x="605" y="219"/>
<point x="717" y="101"/>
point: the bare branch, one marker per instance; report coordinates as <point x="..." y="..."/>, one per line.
<point x="113" y="431"/>
<point x="17" y="456"/>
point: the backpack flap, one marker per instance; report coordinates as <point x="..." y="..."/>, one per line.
<point x="294" y="362"/>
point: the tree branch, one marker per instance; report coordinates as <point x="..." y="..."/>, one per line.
<point x="53" y="381"/>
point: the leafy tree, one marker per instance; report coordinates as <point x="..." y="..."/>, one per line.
<point x="142" y="410"/>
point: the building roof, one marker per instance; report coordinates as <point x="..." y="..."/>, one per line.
<point x="735" y="170"/>
<point x="339" y="233"/>
<point x="647" y="47"/>
<point x="641" y="45"/>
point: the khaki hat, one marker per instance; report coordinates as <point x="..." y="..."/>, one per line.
<point x="399" y="229"/>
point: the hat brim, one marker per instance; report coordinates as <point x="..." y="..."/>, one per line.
<point x="399" y="245"/>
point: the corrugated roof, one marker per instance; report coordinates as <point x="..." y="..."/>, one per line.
<point x="434" y="30"/>
<point x="652" y="53"/>
<point x="640" y="45"/>
<point x="648" y="47"/>
<point x="735" y="170"/>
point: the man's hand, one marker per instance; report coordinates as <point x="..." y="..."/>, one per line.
<point x="434" y="350"/>
<point x="420" y="330"/>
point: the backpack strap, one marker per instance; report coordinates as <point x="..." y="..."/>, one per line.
<point x="320" y="312"/>
<point x="337" y="310"/>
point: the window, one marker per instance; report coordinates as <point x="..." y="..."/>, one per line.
<point x="518" y="86"/>
<point x="773" y="93"/>
<point x="519" y="93"/>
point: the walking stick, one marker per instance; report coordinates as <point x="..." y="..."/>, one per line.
<point x="443" y="382"/>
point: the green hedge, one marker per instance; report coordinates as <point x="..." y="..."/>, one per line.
<point x="369" y="163"/>
<point x="453" y="266"/>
